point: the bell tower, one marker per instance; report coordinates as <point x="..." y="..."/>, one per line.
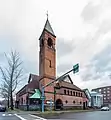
<point x="47" y="59"/>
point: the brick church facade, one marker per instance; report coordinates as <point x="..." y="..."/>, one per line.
<point x="64" y="93"/>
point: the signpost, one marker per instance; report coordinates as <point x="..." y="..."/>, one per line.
<point x="42" y="98"/>
<point x="51" y="104"/>
<point x="75" y="70"/>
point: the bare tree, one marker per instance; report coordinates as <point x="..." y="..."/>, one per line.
<point x="11" y="75"/>
<point x="5" y="92"/>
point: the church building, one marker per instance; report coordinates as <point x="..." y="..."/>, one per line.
<point x="64" y="93"/>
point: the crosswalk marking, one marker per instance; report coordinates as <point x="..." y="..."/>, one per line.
<point x="6" y="114"/>
<point x="20" y="117"/>
<point x="29" y="117"/>
<point x="3" y="114"/>
<point x="10" y="114"/>
<point x="40" y="118"/>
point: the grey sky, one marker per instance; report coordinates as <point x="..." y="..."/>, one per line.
<point x="82" y="27"/>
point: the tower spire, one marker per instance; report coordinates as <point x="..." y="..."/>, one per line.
<point x="48" y="27"/>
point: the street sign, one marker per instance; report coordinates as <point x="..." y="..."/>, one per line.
<point x="76" y="68"/>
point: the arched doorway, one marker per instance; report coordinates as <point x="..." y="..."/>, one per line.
<point x="59" y="104"/>
<point x="84" y="105"/>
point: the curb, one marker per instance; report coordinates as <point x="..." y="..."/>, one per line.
<point x="62" y="112"/>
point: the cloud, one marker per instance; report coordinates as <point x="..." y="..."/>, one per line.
<point x="91" y="12"/>
<point x="62" y="68"/>
<point x="83" y="34"/>
<point x="64" y="47"/>
<point x="99" y="65"/>
<point x="102" y="59"/>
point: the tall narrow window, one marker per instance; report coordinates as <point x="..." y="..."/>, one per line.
<point x="65" y="92"/>
<point x="50" y="63"/>
<point x="68" y="92"/>
<point x="81" y="94"/>
<point x="71" y="93"/>
<point x="74" y="93"/>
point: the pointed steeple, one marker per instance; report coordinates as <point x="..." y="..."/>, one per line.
<point x="48" y="27"/>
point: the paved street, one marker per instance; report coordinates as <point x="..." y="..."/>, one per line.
<point x="97" y="115"/>
<point x="8" y="116"/>
<point x="20" y="116"/>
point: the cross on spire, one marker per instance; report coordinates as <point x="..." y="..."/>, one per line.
<point x="47" y="15"/>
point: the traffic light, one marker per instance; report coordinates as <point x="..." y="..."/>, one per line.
<point x="76" y="68"/>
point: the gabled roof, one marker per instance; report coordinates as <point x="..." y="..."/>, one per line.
<point x="87" y="93"/>
<point x="68" y="79"/>
<point x="68" y="84"/>
<point x="33" y="83"/>
<point x="33" y="77"/>
<point x="86" y="90"/>
<point x="24" y="87"/>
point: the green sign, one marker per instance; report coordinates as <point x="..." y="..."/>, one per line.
<point x="76" y="68"/>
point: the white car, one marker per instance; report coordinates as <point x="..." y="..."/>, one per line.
<point x="105" y="109"/>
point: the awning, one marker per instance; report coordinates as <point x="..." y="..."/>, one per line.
<point x="37" y="94"/>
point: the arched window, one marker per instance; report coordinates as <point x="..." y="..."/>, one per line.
<point x="81" y="94"/>
<point x="73" y="102"/>
<point x="65" y="92"/>
<point x="74" y="93"/>
<point x="68" y="92"/>
<point x="78" y="94"/>
<point x="71" y="92"/>
<point x="50" y="42"/>
<point x="66" y="101"/>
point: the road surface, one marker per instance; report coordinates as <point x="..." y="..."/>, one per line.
<point x="97" y="115"/>
<point x="18" y="116"/>
<point x="8" y="116"/>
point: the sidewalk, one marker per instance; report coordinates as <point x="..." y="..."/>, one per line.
<point x="47" y="112"/>
<point x="18" y="111"/>
<point x="52" y="113"/>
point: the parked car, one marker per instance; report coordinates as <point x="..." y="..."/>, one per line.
<point x="105" y="109"/>
<point x="2" y="108"/>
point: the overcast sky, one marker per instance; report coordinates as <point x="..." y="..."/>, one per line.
<point x="83" y="30"/>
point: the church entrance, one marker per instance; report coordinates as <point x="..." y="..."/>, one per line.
<point x="84" y="105"/>
<point x="59" y="104"/>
